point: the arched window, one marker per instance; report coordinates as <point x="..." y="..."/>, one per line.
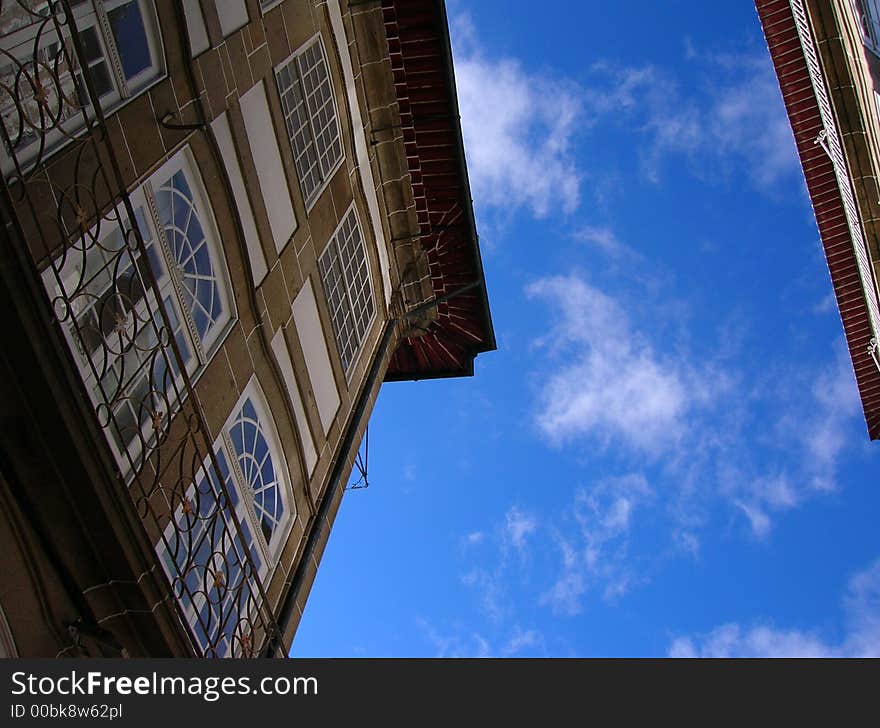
<point x="112" y="316"/>
<point x="190" y="251"/>
<point x="258" y="468"/>
<point x="212" y="566"/>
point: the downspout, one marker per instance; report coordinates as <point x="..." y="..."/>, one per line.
<point x="294" y="585"/>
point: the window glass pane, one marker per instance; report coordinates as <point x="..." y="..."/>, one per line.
<point x="189" y="248"/>
<point x="33" y="103"/>
<point x="127" y="26"/>
<point x="202" y="552"/>
<point x="871" y="22"/>
<point x="93" y="55"/>
<point x="91" y="45"/>
<point x="310" y="117"/>
<point x="257" y="467"/>
<point x="346" y="277"/>
<point x="101" y="81"/>
<point x="50" y="111"/>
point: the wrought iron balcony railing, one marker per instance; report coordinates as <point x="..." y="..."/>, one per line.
<point x="62" y="194"/>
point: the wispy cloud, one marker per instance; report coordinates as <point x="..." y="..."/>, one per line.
<point x="813" y="428"/>
<point x="518" y="129"/>
<point x="836" y="402"/>
<point x="564" y="596"/>
<point x="457" y="641"/>
<point x="522" y="127"/>
<point x="612" y="385"/>
<point x="603" y="239"/>
<point x="596" y="552"/>
<point x="861" y="605"/>
<point x="521" y="641"/>
<point x="490" y="586"/>
<point x="733" y="123"/>
<point x="763" y="443"/>
<point x="518" y="526"/>
<point x="696" y="430"/>
<point x="490" y="583"/>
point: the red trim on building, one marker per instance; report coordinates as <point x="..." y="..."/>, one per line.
<point x="806" y="123"/>
<point x="421" y="61"/>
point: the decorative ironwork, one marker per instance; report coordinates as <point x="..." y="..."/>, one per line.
<point x="70" y="208"/>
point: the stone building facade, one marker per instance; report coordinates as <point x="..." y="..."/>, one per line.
<point x="226" y="223"/>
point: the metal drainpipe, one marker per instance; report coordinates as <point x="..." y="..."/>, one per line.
<point x="205" y="127"/>
<point x="294" y="585"/>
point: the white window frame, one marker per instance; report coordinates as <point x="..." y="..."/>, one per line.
<point x="868" y="17"/>
<point x="267" y="5"/>
<point x="347" y="299"/>
<point x="269" y="552"/>
<point x="184" y="162"/>
<point x="172" y="288"/>
<point x="292" y="65"/>
<point x="254" y="393"/>
<point x="92" y="14"/>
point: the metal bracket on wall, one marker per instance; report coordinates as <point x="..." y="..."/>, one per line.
<point x="822" y="141"/>
<point x="361" y="464"/>
<point x="166" y="122"/>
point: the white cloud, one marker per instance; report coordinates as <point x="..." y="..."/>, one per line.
<point x="603" y="514"/>
<point x="455" y="643"/>
<point x="490" y="589"/>
<point x="564" y="596"/>
<point x="763" y="495"/>
<point x="491" y="583"/>
<point x="613" y="385"/>
<point x="748" y="118"/>
<point x="761" y="440"/>
<point x="735" y="123"/>
<point x="757" y="517"/>
<point x="518" y="527"/>
<point x="686" y="541"/>
<point x="861" y="606"/>
<point x="826" y="428"/>
<point x="602" y="237"/>
<point x="827" y="305"/>
<point x="458" y="641"/>
<point x="731" y="640"/>
<point x="521" y="641"/>
<point x="518" y="128"/>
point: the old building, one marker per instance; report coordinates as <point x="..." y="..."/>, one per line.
<point x="225" y="224"/>
<point x="827" y="57"/>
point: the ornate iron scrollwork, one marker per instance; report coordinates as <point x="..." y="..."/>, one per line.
<point x="68" y="202"/>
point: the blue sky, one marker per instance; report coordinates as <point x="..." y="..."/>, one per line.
<point x="666" y="455"/>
